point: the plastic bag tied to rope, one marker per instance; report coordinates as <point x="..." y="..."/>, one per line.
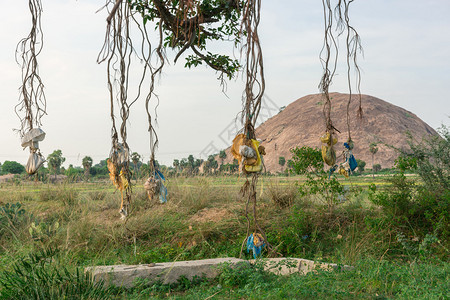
<point x="155" y="187"/>
<point x="162" y="188"/>
<point x="350" y="159"/>
<point x="121" y="184"/>
<point x="36" y="159"/>
<point x="328" y="152"/>
<point x="255" y="242"/>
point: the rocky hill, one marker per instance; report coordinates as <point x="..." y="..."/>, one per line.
<point x="301" y="123"/>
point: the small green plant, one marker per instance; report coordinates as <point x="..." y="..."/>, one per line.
<point x="308" y="161"/>
<point x="43" y="231"/>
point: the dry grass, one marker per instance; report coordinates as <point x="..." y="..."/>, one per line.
<point x="282" y="196"/>
<point x="204" y="217"/>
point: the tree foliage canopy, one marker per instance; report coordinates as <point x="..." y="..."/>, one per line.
<point x="12" y="167"/>
<point x="55" y="160"/>
<point x="87" y="162"/>
<point x="192" y="24"/>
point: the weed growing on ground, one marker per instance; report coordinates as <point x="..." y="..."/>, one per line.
<point x="40" y="276"/>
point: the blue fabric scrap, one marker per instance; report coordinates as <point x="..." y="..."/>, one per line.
<point x="251" y="246"/>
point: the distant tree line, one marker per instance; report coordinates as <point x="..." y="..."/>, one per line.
<point x="188" y="166"/>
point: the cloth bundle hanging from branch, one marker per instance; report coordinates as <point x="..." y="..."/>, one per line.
<point x="246" y="148"/>
<point x="249" y="154"/>
<point x="117" y="51"/>
<point x="120" y="175"/>
<point x="338" y="16"/>
<point x="155" y="187"/>
<point x="32" y="102"/>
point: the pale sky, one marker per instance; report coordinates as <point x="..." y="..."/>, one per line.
<point x="406" y="48"/>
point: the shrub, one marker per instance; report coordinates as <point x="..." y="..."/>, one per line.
<point x="326" y="188"/>
<point x="377" y="168"/>
<point x="361" y="165"/>
<point x="12" y="167"/>
<point x="420" y="207"/>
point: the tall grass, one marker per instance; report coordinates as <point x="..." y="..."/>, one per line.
<point x="39" y="276"/>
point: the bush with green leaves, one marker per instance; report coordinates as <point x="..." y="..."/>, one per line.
<point x="12" y="167"/>
<point x="308" y="161"/>
<point x="361" y="165"/>
<point x="420" y="207"/>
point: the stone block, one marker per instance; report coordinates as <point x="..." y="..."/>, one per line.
<point x="126" y="275"/>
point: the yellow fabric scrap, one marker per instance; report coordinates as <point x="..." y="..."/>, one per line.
<point x="122" y="183"/>
<point x="343" y="171"/>
<point x="326" y="139"/>
<point x="258" y="239"/>
<point x="328" y="152"/>
<point x="238" y="141"/>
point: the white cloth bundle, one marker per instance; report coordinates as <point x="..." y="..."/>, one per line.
<point x="247" y="152"/>
<point x="35" y="161"/>
<point x="32" y="138"/>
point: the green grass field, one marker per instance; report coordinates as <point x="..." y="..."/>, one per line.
<point x="79" y="225"/>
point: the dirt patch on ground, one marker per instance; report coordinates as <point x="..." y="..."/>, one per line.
<point x="210" y="215"/>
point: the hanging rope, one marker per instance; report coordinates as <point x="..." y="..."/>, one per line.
<point x="353" y="46"/>
<point x="338" y="14"/>
<point x="117" y="51"/>
<point x="32" y="102"/>
<point x="245" y="146"/>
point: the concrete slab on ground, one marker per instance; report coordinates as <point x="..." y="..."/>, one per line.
<point x="288" y="266"/>
<point x="127" y="275"/>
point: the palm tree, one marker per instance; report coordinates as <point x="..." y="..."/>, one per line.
<point x="222" y="156"/>
<point x="87" y="164"/>
<point x="176" y="164"/>
<point x="373" y="149"/>
<point x="135" y="158"/>
<point x="55" y="160"/>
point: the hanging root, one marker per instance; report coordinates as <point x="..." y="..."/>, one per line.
<point x="254" y="91"/>
<point x="32" y="102"/>
<point x="117" y="51"/>
<point x="329" y="56"/>
<point x="248" y="190"/>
